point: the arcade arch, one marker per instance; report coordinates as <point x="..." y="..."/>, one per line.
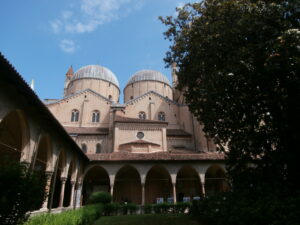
<point x="14" y="137"/>
<point x="127" y="186"/>
<point x="95" y="179"/>
<point x="215" y="180"/>
<point x="158" y="184"/>
<point x="188" y="183"/>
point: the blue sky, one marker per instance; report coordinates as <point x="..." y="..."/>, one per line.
<point x="42" y="38"/>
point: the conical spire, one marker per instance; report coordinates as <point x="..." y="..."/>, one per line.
<point x="70" y="72"/>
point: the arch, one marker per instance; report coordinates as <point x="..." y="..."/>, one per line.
<point x="187" y="183"/>
<point x="60" y="167"/>
<point x="161" y="116"/>
<point x="127" y="186"/>
<point x="98" y="148"/>
<point x="43" y="154"/>
<point x="74" y="115"/>
<point x="142" y="115"/>
<point x="14" y="137"/>
<point x="158" y="184"/>
<point x="95" y="116"/>
<point x="215" y="180"/>
<point x="95" y="179"/>
<point x="68" y="187"/>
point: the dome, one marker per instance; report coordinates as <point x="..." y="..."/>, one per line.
<point x="96" y="72"/>
<point x="148" y="75"/>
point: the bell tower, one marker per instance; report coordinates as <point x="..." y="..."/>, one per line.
<point x="69" y="75"/>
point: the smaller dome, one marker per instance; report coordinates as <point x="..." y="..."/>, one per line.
<point x="150" y="75"/>
<point x="96" y="72"/>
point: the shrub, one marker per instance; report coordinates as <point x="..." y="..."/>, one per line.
<point x="111" y="209"/>
<point x="148" y="208"/>
<point x="84" y="216"/>
<point x="17" y="186"/>
<point x="132" y="208"/>
<point x="100" y="197"/>
<point x="182" y="207"/>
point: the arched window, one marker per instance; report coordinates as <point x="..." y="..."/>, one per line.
<point x="161" y="116"/>
<point x="96" y="117"/>
<point x="109" y="97"/>
<point x="84" y="148"/>
<point x="98" y="148"/>
<point x="142" y="115"/>
<point x="75" y="115"/>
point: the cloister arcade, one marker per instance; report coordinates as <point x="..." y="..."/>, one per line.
<point x="145" y="182"/>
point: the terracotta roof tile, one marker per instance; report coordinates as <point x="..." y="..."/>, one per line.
<point x="177" y="132"/>
<point x="160" y="156"/>
<point x="86" y="130"/>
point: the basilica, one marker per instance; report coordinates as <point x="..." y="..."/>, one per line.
<point x="148" y="149"/>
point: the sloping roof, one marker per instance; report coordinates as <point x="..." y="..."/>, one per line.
<point x="178" y="132"/>
<point x="153" y="92"/>
<point x="9" y="75"/>
<point x="160" y="156"/>
<point x="80" y="92"/>
<point x="135" y="120"/>
<point x="87" y="130"/>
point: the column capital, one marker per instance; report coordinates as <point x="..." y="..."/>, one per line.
<point x="49" y="173"/>
<point x="63" y="179"/>
<point x="73" y="182"/>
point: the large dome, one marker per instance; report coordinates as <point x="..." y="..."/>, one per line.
<point x="148" y="75"/>
<point x="96" y="72"/>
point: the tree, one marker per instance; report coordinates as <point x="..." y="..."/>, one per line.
<point x="21" y="191"/>
<point x="239" y="67"/>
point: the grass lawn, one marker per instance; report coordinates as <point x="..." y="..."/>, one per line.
<point x="148" y="219"/>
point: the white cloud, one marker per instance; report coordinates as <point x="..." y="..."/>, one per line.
<point x="66" y="14"/>
<point x="68" y="46"/>
<point x="56" y="26"/>
<point x="92" y="13"/>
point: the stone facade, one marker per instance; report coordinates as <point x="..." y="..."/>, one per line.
<point x="146" y="149"/>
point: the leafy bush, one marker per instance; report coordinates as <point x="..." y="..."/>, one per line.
<point x="17" y="186"/>
<point x="182" y="207"/>
<point x="247" y="209"/>
<point x="84" y="216"/>
<point x="148" y="208"/>
<point x="100" y="197"/>
<point x="132" y="208"/>
<point x="111" y="209"/>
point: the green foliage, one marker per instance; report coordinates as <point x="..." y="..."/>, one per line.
<point x="111" y="209"/>
<point x="148" y="208"/>
<point x="129" y="208"/>
<point x="20" y="191"/>
<point x="148" y="219"/>
<point x="239" y="68"/>
<point x="84" y="216"/>
<point x="164" y="208"/>
<point x="247" y="208"/>
<point x="100" y="197"/>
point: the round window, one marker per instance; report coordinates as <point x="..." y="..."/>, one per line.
<point x="140" y="135"/>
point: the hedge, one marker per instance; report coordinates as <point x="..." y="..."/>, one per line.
<point x="83" y="216"/>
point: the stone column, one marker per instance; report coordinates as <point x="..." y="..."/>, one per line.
<point x="62" y="191"/>
<point x="203" y="187"/>
<point x="72" y="194"/>
<point x="143" y="194"/>
<point x="112" y="191"/>
<point x="47" y="188"/>
<point x="78" y="195"/>
<point x="174" y="193"/>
